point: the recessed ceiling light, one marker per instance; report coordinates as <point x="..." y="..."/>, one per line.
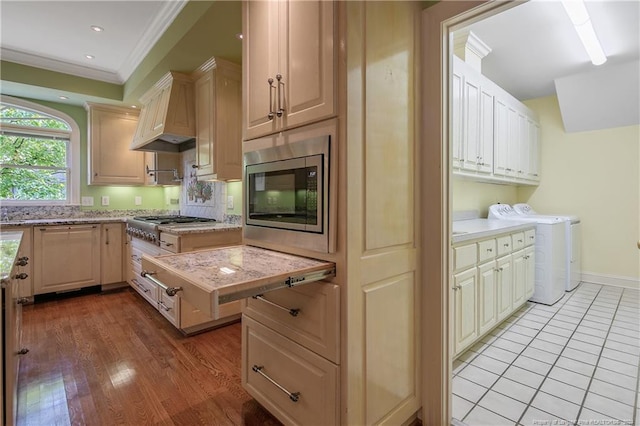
<point x="89" y="56"/>
<point x="239" y="36"/>
<point x="97" y="28"/>
<point x="63" y="97"/>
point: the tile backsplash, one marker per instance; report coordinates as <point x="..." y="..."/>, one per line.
<point x="203" y="199"/>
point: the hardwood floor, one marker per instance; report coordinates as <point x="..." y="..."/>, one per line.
<point x="111" y="359"/>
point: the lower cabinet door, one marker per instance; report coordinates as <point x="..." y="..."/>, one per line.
<point x="505" y="287"/>
<point x="466" y="313"/>
<point x="487" y="315"/>
<point x="296" y="385"/>
<point x="519" y="278"/>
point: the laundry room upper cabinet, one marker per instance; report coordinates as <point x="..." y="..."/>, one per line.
<point x="289" y="56"/>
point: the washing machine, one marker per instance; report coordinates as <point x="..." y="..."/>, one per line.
<point x="550" y="249"/>
<point x="574" y="242"/>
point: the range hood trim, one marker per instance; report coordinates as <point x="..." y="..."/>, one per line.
<point x="170" y="103"/>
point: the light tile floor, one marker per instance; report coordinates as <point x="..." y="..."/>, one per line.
<point x="575" y="362"/>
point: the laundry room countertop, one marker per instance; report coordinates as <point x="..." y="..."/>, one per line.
<point x="471" y="229"/>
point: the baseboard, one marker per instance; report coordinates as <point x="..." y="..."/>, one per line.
<point x="626" y="282"/>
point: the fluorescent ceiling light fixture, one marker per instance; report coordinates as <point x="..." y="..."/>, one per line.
<point x="582" y="22"/>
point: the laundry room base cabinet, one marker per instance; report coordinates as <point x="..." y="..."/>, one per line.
<point x="492" y="278"/>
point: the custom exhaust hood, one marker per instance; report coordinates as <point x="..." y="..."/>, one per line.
<point x="167" y="117"/>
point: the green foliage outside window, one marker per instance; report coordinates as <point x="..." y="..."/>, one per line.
<point x="34" y="167"/>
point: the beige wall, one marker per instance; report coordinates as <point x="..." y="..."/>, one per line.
<point x="470" y="195"/>
<point x="594" y="175"/>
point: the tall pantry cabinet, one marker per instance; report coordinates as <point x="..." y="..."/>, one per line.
<point x="339" y="57"/>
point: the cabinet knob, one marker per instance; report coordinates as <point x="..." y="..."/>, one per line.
<point x="22" y="301"/>
<point x="22" y="351"/>
<point x="21" y="276"/>
<point x="195" y="166"/>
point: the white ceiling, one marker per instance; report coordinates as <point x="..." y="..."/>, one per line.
<point x="532" y="43"/>
<point x="56" y="35"/>
<point x="535" y="43"/>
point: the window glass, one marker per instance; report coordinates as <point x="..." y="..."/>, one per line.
<point x="34" y="156"/>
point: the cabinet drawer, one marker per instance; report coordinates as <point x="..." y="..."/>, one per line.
<point x="518" y="240"/>
<point x="316" y="323"/>
<point x="465" y="256"/>
<point x="486" y="250"/>
<point x="529" y="237"/>
<point x="146" y="288"/>
<point x="169" y="307"/>
<point x="170" y="242"/>
<point x="296" y="369"/>
<point x="504" y="245"/>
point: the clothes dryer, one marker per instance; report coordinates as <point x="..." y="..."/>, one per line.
<point x="550" y="250"/>
<point x="574" y="242"/>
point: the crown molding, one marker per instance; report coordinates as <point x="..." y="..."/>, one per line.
<point x="154" y="31"/>
<point x="151" y="35"/>
<point x="64" y="67"/>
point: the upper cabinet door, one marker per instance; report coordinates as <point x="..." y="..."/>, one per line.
<point x="289" y="65"/>
<point x="307" y="62"/>
<point x="260" y="65"/>
<point x="111" y="130"/>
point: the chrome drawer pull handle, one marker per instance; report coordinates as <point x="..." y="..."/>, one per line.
<point x="140" y="286"/>
<point x="166" y="243"/>
<point x="295" y="396"/>
<point x="165" y="307"/>
<point x="292" y="311"/>
<point x="171" y="291"/>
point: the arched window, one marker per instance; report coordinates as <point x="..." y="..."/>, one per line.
<point x="39" y="155"/>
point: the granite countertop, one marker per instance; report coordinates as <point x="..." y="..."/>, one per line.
<point x="9" y="245"/>
<point x="229" y="266"/>
<point x="471" y="229"/>
<point x="63" y="221"/>
<point x="198" y="228"/>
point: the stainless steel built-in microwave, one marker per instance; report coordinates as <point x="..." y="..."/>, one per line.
<point x="287" y="194"/>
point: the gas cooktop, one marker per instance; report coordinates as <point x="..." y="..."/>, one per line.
<point x="166" y="220"/>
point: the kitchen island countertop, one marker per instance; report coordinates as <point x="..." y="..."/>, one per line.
<point x="212" y="277"/>
<point x="9" y="245"/>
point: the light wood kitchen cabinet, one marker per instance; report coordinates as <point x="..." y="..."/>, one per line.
<point x="111" y="253"/>
<point x="175" y="119"/>
<point x="289" y="57"/>
<point x="178" y="311"/>
<point x="111" y="130"/>
<point x="66" y="257"/>
<point x="218" y="100"/>
<point x="309" y="383"/>
<point x="180" y="243"/>
<point x="11" y="334"/>
<point x="25" y="255"/>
